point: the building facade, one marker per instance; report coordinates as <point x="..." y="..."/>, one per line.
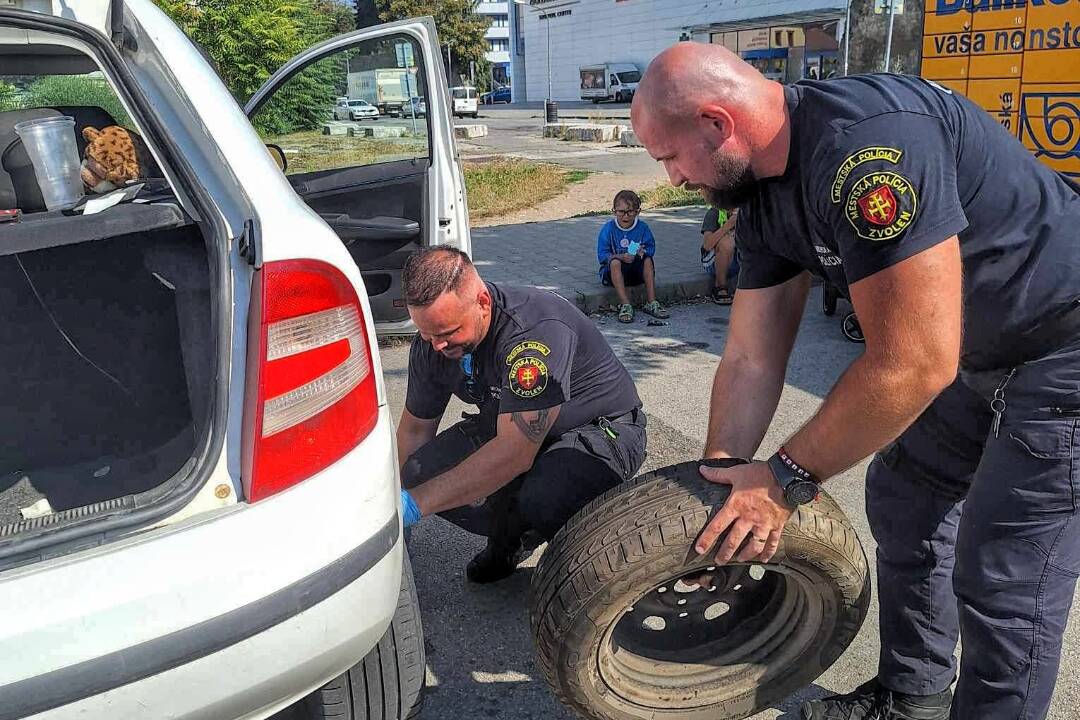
<point x="786" y="39"/>
<point x="498" y="39"/>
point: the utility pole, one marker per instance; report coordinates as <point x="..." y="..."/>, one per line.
<point x="888" y="35"/>
<point x="548" y="58"/>
<point x="847" y="37"/>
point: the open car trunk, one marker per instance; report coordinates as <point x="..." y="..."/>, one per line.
<point x="107" y="355"/>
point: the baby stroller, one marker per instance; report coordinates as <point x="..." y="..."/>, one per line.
<point x="830" y="297"/>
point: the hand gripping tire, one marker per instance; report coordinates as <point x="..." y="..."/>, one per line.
<point x="630" y="623"/>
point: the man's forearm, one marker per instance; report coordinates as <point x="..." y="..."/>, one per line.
<point x="868" y="408"/>
<point x="412" y="434"/>
<point x="477" y="477"/>
<point x="744" y="399"/>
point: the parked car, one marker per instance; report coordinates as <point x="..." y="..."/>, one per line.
<point x="415" y="107"/>
<point x="355" y="110"/>
<point x="199" y="494"/>
<point x="498" y="95"/>
<point x="465" y="101"/>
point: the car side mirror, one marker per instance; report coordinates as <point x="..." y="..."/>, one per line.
<point x="278" y="155"/>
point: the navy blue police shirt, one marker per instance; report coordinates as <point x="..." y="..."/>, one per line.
<point x="540" y="351"/>
<point x="882" y="167"/>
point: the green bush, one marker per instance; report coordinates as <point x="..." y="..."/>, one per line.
<point x="9" y="98"/>
<point x="79" y="90"/>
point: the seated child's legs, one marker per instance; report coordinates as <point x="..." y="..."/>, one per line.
<point x="632" y="274"/>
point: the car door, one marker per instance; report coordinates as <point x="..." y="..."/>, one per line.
<point x="386" y="188"/>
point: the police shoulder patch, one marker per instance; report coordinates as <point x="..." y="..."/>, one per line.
<point x="532" y="345"/>
<point x="881" y="205"/>
<point x="854" y="160"/>
<point x="528" y="377"/>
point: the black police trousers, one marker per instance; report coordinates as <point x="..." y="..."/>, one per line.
<point x="568" y="472"/>
<point x="978" y="538"/>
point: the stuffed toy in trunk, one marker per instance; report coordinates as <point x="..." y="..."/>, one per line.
<point x="114" y="157"/>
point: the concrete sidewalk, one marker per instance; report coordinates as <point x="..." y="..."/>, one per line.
<point x="560" y="255"/>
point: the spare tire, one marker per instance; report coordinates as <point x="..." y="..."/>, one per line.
<point x="630" y="623"/>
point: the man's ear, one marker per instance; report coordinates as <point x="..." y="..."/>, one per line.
<point x="483" y="297"/>
<point x="714" y="119"/>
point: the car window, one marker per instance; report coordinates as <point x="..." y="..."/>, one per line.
<point x="92" y="90"/>
<point x="460" y="93"/>
<point x="630" y="77"/>
<point x="387" y="73"/>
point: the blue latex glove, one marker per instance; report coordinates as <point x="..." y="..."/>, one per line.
<point x="410" y="513"/>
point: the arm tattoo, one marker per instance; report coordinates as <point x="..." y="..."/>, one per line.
<point x="533" y="425"/>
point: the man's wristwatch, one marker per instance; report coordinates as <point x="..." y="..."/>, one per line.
<point x="799" y="486"/>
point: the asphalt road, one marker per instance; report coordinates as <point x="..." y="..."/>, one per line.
<point x="480" y="655"/>
<point x="517" y="131"/>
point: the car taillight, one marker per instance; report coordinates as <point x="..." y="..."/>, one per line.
<point x="310" y="396"/>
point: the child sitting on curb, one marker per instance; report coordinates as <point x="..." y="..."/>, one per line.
<point x="625" y="249"/>
<point x="718" y="254"/>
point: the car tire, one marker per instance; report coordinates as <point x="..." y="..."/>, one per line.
<point x="388" y="683"/>
<point x="760" y="633"/>
<point x="596" y="101"/>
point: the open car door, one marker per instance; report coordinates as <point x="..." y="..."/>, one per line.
<point x="388" y="186"/>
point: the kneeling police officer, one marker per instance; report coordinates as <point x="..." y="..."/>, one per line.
<point x="559" y="418"/>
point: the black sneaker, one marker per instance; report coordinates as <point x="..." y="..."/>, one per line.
<point x="871" y="701"/>
<point x="495" y="562"/>
<point x="721" y="296"/>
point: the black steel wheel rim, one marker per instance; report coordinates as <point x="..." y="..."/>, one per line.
<point x="694" y="640"/>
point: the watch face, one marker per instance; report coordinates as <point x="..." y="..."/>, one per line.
<point x="801" y="492"/>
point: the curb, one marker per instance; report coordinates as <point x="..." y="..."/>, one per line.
<point x="675" y="291"/>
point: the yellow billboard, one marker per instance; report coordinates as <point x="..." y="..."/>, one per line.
<point x="1019" y="60"/>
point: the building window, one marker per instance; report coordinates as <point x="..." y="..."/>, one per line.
<point x="499" y="45"/>
<point x="500" y="21"/>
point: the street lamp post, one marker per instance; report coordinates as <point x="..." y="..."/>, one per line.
<point x="888" y="35"/>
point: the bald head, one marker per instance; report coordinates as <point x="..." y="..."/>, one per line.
<point x="714" y="121"/>
<point x="686" y="76"/>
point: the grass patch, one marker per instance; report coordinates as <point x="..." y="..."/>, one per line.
<point x="661" y="196"/>
<point x="313" y="151"/>
<point x="502" y="186"/>
<point x="666" y="196"/>
<point x="576" y="176"/>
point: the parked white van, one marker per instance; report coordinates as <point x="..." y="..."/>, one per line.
<point x="466" y="101"/>
<point x="609" y="81"/>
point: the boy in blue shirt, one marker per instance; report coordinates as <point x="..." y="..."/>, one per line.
<point x="625" y="249"/>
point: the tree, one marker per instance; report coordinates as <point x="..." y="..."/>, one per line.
<point x="248" y="40"/>
<point x="366" y="14"/>
<point x="459" y="27"/>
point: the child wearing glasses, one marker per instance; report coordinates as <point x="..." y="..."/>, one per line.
<point x="625" y="250"/>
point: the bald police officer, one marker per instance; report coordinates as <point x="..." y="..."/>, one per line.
<point x="960" y="253"/>
<point x="559" y="418"/>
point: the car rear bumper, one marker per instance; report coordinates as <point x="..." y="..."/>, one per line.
<point x="270" y="669"/>
<point x="230" y="616"/>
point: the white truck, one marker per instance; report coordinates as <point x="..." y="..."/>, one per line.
<point x="609" y="81"/>
<point x="385" y="88"/>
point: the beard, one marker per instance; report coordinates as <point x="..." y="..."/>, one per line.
<point x="735" y="183"/>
